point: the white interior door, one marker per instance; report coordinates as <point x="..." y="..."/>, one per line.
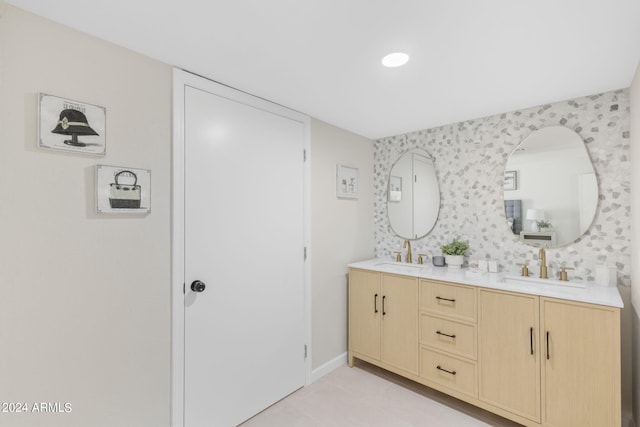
<point x="244" y="334"/>
<point x="425" y="191"/>
<point x="588" y="199"/>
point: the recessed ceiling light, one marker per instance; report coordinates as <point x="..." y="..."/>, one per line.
<point x="395" y="59"/>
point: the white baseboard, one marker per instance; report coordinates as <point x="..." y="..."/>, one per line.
<point x="325" y="368"/>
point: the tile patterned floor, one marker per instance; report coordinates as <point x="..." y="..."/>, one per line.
<point x="366" y="396"/>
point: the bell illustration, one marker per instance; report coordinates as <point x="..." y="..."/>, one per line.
<point x="74" y="123"/>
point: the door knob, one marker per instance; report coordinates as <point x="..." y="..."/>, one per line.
<point x="198" y="286"/>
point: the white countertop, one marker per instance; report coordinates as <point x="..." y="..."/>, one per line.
<point x="589" y="293"/>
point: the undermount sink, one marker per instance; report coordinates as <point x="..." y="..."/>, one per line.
<point x="524" y="280"/>
<point x="401" y="265"/>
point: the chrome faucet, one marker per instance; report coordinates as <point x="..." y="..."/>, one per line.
<point x="543" y="263"/>
<point x="407" y="245"/>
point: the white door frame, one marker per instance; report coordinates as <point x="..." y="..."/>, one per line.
<point x="180" y="80"/>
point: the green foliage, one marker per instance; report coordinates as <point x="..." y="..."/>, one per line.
<point x="543" y="224"/>
<point x="456" y="247"/>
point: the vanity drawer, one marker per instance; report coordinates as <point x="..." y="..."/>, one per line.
<point x="448" y="371"/>
<point x="448" y="335"/>
<point x="456" y="301"/>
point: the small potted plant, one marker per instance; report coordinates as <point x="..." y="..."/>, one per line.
<point x="543" y="225"/>
<point x="455" y="252"/>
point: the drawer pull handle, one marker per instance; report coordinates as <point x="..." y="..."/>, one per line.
<point x="445" y="299"/>
<point x="384" y="313"/>
<point x="375" y="303"/>
<point x="444" y="370"/>
<point x="446" y="335"/>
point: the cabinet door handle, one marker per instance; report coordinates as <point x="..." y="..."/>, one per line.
<point x="375" y="303"/>
<point x="444" y="370"/>
<point x="445" y="299"/>
<point x="531" y="340"/>
<point x="383" y="298"/>
<point x="548" y="356"/>
<point x="446" y="335"/>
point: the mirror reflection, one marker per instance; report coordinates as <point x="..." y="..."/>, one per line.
<point x="413" y="196"/>
<point x="550" y="188"/>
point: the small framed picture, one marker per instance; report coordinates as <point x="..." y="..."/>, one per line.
<point x="123" y="190"/>
<point x="68" y="125"/>
<point x="395" y="188"/>
<point x="511" y="180"/>
<point x="347" y="182"/>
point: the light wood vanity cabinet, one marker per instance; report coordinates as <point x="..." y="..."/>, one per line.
<point x="550" y="361"/>
<point x="364" y="313"/>
<point x="535" y="360"/>
<point x="383" y="320"/>
<point x="581" y="364"/>
<point x="510" y="352"/>
<point x="448" y="336"/>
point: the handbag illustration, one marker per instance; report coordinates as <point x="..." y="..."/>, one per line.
<point x="125" y="196"/>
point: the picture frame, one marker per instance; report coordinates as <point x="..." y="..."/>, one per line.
<point x="395" y="188"/>
<point x="122" y="190"/>
<point x="72" y="126"/>
<point x="346" y="182"/>
<point x="510" y="180"/>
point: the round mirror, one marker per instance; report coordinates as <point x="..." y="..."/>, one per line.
<point x="550" y="188"/>
<point x="413" y="195"/>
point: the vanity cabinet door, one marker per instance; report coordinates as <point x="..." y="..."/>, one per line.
<point x="400" y="322"/>
<point x="509" y="352"/>
<point x="365" y="313"/>
<point x="581" y="364"/>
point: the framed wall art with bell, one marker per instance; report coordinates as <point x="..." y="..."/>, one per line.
<point x="74" y="126"/>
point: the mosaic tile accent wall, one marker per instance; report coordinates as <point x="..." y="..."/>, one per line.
<point x="470" y="161"/>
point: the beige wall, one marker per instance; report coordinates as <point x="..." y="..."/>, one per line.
<point x="84" y="299"/>
<point x="635" y="242"/>
<point x="341" y="232"/>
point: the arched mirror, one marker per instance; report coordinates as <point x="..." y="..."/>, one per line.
<point x="550" y="188"/>
<point x="413" y="196"/>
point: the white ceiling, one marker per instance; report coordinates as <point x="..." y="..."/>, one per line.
<point x="469" y="58"/>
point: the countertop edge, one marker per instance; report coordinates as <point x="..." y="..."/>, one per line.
<point x="592" y="294"/>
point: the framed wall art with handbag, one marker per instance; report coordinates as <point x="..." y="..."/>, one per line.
<point x="123" y="190"/>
